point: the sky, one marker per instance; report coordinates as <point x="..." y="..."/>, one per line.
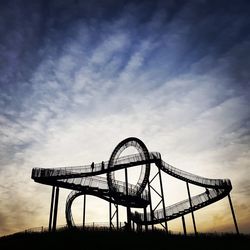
<point x="77" y="77"/>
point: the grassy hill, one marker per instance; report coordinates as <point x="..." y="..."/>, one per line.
<point x="104" y="239"/>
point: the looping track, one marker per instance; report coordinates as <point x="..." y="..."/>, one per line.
<point x="85" y="180"/>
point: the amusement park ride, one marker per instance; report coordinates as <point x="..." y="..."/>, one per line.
<point x="86" y="180"/>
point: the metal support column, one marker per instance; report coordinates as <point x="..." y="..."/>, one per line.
<point x="51" y="208"/>
<point x="128" y="208"/>
<point x="184" y="225"/>
<point x="192" y="212"/>
<point x="145" y="218"/>
<point x="150" y="205"/>
<point x="117" y="217"/>
<point x="55" y="209"/>
<point x="84" y="211"/>
<point x="234" y="218"/>
<point x="110" y="216"/>
<point x="163" y="201"/>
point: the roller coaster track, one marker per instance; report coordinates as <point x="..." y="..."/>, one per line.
<point x="216" y="189"/>
<point x="86" y="180"/>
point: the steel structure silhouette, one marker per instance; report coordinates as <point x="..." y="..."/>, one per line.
<point x="85" y="180"/>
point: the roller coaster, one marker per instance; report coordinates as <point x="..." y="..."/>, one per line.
<point x="86" y="180"/>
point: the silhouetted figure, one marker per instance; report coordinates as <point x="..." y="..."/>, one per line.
<point x="102" y="165"/>
<point x="92" y="166"/>
<point x="207" y="192"/>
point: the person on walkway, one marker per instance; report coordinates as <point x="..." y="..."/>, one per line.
<point x="102" y="165"/>
<point x="207" y="192"/>
<point x="92" y="166"/>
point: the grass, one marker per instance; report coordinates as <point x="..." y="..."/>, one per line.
<point x="104" y="239"/>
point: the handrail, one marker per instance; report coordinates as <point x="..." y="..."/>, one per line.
<point x="85" y="179"/>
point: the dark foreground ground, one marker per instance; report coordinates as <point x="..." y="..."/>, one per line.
<point x="103" y="239"/>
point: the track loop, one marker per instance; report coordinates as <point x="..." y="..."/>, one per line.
<point x="145" y="169"/>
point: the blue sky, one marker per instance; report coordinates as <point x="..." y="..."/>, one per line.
<point x="78" y="77"/>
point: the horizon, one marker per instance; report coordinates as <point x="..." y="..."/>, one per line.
<point x="77" y="78"/>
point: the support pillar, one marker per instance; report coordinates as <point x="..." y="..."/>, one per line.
<point x="110" y="216"/>
<point x="84" y="211"/>
<point x="117" y="217"/>
<point x="184" y="225"/>
<point x="163" y="201"/>
<point x="150" y="205"/>
<point x="51" y="208"/>
<point x="192" y="212"/>
<point x="233" y="214"/>
<point x="145" y="218"/>
<point x="55" y="209"/>
<point x="128" y="208"/>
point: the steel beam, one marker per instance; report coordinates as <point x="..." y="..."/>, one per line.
<point x="55" y="209"/>
<point x="128" y="208"/>
<point x="150" y="204"/>
<point x="110" y="216"/>
<point x="51" y="208"/>
<point x="191" y="206"/>
<point x="163" y="201"/>
<point x="233" y="214"/>
<point x="145" y="218"/>
<point x="117" y="216"/>
<point x="84" y="211"/>
<point x="184" y="225"/>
